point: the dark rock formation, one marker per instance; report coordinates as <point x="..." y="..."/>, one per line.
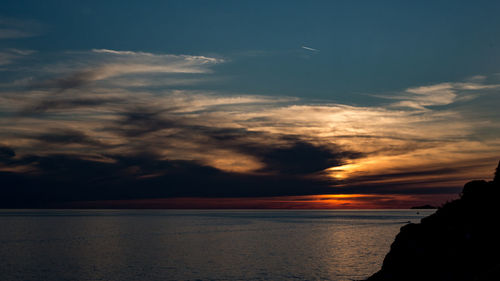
<point x="497" y="173"/>
<point x="461" y="241"/>
<point x="424" y="207"/>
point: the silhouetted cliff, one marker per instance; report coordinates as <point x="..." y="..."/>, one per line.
<point x="461" y="241"/>
<point x="423" y="207"/>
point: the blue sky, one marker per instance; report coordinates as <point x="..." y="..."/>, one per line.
<point x="384" y="98"/>
<point x="365" y="46"/>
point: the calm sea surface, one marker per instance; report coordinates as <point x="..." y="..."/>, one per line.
<point x="196" y="245"/>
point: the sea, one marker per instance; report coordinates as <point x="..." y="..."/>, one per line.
<point x="197" y="244"/>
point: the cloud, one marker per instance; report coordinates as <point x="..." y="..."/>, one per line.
<point x="310" y="49"/>
<point x="440" y="94"/>
<point x="78" y="123"/>
<point x="103" y="64"/>
<point x="11" y="28"/>
<point x="9" y="56"/>
<point x="66" y="137"/>
<point x="143" y="55"/>
<point x="88" y="69"/>
<point x="299" y="157"/>
<point x="98" y="180"/>
<point x="141" y="122"/>
<point x="52" y="103"/>
<point x="6" y="152"/>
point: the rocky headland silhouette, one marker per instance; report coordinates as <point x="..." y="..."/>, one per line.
<point x="423" y="207"/>
<point x="461" y="241"/>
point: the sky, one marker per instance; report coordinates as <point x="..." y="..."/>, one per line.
<point x="246" y="104"/>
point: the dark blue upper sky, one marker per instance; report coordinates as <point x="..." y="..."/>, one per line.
<point x="365" y="47"/>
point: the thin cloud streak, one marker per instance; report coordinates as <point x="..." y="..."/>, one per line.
<point x="310" y="49"/>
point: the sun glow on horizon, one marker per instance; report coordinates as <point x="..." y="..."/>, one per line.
<point x="322" y="201"/>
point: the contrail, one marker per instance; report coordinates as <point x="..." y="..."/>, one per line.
<point x="310" y="49"/>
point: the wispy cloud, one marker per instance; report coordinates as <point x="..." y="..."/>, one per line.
<point x="11" y="28"/>
<point x="310" y="49"/>
<point x="106" y="64"/>
<point x="8" y="56"/>
<point x="440" y="94"/>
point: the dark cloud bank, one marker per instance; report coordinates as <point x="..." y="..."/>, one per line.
<point x="59" y="179"/>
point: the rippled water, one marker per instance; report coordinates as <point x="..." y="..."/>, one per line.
<point x="196" y="245"/>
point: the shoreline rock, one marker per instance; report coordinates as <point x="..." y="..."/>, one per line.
<point x="424" y="207"/>
<point x="460" y="241"/>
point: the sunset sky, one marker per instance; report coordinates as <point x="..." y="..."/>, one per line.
<point x="246" y="104"/>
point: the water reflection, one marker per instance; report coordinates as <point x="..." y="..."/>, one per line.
<point x="190" y="245"/>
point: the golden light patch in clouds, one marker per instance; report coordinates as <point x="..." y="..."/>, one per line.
<point x="344" y="171"/>
<point x="442" y="166"/>
<point x="226" y="160"/>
